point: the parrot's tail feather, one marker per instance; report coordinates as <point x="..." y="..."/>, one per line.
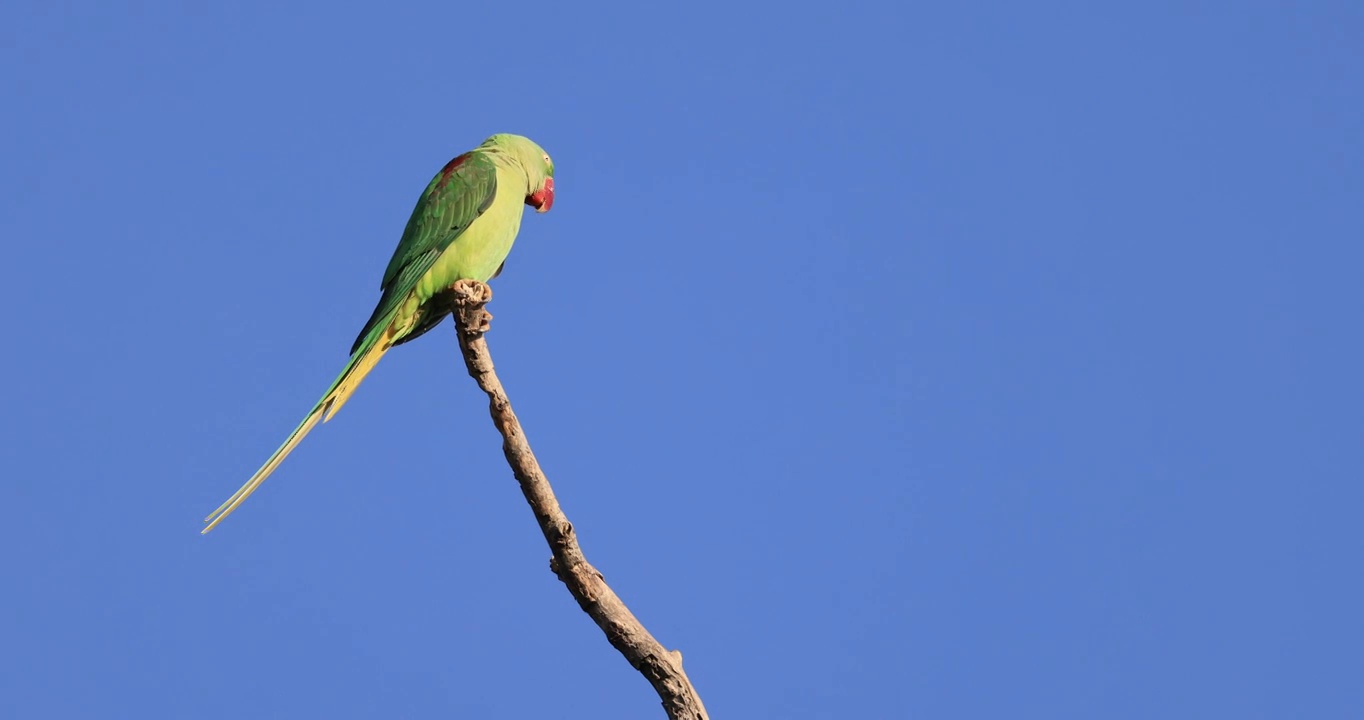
<point x="346" y="386"/>
<point x="361" y="363"/>
<point x="245" y="491"/>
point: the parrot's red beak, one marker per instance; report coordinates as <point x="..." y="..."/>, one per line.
<point x="542" y="200"/>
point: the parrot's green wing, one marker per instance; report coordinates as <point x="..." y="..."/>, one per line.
<point x="455" y="197"/>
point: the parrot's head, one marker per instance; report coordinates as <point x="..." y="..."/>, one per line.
<point x="537" y="164"/>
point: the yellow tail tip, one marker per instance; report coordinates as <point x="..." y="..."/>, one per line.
<point x="341" y="391"/>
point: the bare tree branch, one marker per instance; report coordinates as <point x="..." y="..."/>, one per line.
<point x="661" y="667"/>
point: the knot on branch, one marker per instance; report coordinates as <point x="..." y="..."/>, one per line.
<point x="469" y="297"/>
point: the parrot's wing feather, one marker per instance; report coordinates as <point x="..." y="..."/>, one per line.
<point x="455" y="197"/>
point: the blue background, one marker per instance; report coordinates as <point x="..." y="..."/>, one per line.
<point x="943" y="361"/>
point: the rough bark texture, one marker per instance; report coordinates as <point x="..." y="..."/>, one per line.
<point x="661" y="667"/>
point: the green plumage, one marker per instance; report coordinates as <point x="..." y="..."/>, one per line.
<point x="463" y="227"/>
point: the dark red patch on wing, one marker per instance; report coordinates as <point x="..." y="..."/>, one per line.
<point x="543" y="199"/>
<point x="450" y="168"/>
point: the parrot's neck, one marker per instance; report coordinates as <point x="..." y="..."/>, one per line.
<point x="507" y="161"/>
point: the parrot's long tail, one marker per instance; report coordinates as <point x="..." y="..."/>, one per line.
<point x="361" y="362"/>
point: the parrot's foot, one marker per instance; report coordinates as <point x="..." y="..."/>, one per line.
<point x="470" y="296"/>
<point x="471" y="292"/>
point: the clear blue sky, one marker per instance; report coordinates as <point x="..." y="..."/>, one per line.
<point x="935" y="361"/>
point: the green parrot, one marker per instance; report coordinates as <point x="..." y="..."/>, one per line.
<point x="462" y="228"/>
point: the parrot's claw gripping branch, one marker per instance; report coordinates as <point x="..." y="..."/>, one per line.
<point x="661" y="667"/>
<point x="470" y="296"/>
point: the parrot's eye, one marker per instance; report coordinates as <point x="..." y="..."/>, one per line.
<point x="547" y="162"/>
